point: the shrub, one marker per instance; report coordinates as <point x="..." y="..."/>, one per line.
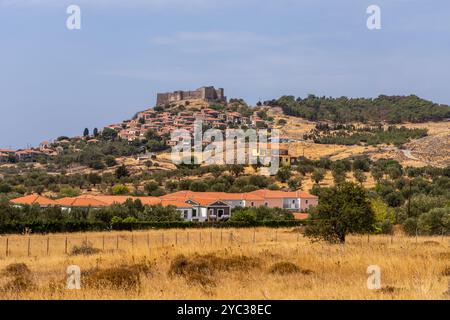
<point x="85" y="248"/>
<point x="285" y="267"/>
<point x="22" y="280"/>
<point x="123" y="278"/>
<point x="16" y="270"/>
<point x="120" y="189"/>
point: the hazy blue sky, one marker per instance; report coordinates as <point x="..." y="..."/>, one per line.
<point x="57" y="82"/>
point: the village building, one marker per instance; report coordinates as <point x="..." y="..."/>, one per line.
<point x="193" y="206"/>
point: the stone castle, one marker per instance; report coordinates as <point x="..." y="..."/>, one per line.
<point x="203" y="93"/>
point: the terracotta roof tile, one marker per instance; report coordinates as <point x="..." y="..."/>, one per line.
<point x="35" y="199"/>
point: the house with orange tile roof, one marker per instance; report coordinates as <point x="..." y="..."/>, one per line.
<point x="80" y="202"/>
<point x="34" y="199"/>
<point x="193" y="206"/>
<point x="4" y="157"/>
<point x="294" y="200"/>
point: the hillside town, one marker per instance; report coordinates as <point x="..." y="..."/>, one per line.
<point x="164" y="122"/>
<point x="162" y="119"/>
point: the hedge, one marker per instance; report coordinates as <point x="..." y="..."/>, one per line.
<point x="142" y="225"/>
<point x="80" y="226"/>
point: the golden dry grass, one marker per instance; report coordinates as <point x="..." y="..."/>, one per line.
<point x="212" y="264"/>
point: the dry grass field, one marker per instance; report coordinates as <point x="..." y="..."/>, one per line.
<point x="222" y="264"/>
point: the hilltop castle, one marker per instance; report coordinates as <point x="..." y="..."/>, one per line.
<point x="204" y="93"/>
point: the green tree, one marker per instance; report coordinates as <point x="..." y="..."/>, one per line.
<point x="120" y="189"/>
<point x="384" y="216"/>
<point x="109" y="134"/>
<point x="86" y="132"/>
<point x="236" y="169"/>
<point x="318" y="175"/>
<point x="436" y="221"/>
<point x="359" y="176"/>
<point x="122" y="171"/>
<point x="342" y="209"/>
<point x="295" y="183"/>
<point x="283" y="174"/>
<point x="151" y="186"/>
<point x="110" y="161"/>
<point x="94" y="178"/>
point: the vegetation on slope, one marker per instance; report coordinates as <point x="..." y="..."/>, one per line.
<point x="391" y="109"/>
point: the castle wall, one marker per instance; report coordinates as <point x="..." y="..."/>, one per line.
<point x="205" y="93"/>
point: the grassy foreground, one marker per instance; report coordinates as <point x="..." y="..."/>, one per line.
<point x="222" y="264"/>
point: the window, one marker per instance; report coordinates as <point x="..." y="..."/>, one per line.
<point x="194" y="212"/>
<point x="185" y="214"/>
<point x="266" y="204"/>
<point x="293" y="201"/>
<point x="252" y="204"/>
<point x="306" y="201"/>
<point x="220" y="212"/>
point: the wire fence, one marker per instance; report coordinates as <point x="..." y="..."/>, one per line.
<point x="50" y="245"/>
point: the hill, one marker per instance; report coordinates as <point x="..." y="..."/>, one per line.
<point x="390" y="109"/>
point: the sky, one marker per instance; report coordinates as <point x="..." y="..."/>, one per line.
<point x="55" y="81"/>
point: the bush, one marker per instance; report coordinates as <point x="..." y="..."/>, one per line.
<point x="85" y="248"/>
<point x="284" y="267"/>
<point x="435" y="221"/>
<point x="22" y="279"/>
<point x="120" y="189"/>
<point x="122" y="277"/>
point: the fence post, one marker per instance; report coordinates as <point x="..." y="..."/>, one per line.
<point x="29" y="246"/>
<point x="221" y="236"/>
<point x="48" y="245"/>
<point x="117" y="242"/>
<point x="132" y="241"/>
<point x="254" y="235"/>
<point x="162" y="239"/>
<point x="210" y="237"/>
<point x="368" y="238"/>
<point x="7" y="246"/>
<point x="103" y="242"/>
<point x="417" y="231"/>
<point x="276" y="235"/>
<point x="187" y="237"/>
<point x="65" y="246"/>
<point x="176" y="238"/>
<point x="200" y="237"/>
<point x="148" y="241"/>
<point x="231" y="237"/>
